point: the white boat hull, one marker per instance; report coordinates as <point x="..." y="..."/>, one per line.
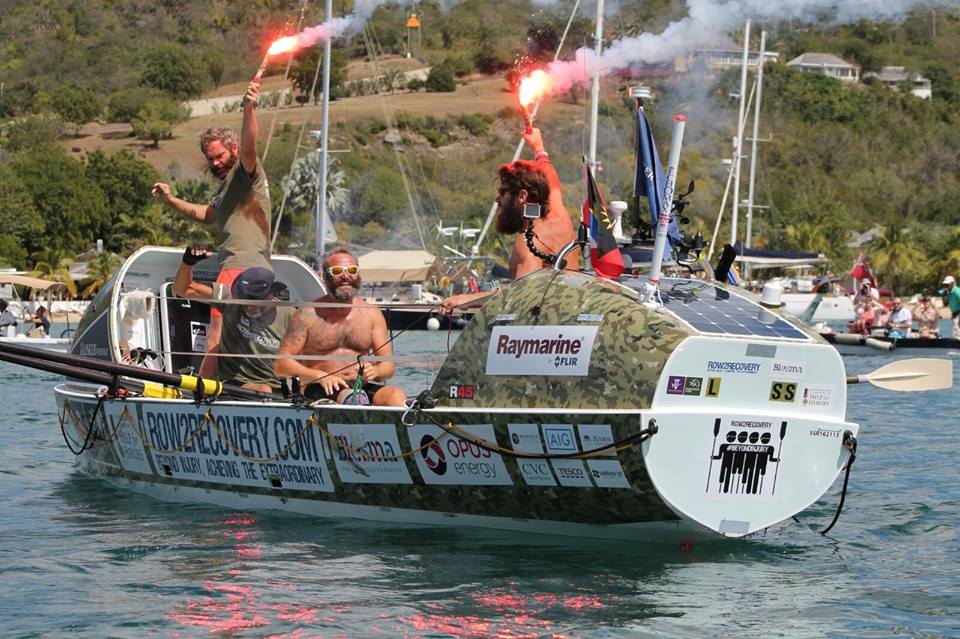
<point x="826" y="309"/>
<point x="54" y="343"/>
<point x="366" y="463"/>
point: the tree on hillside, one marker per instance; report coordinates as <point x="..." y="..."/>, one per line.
<point x="19" y="220"/>
<point x="76" y="105"/>
<point x="125" y="179"/>
<point x="440" y="79"/>
<point x="155" y="121"/>
<point x="35" y="131"/>
<point x="304" y="69"/>
<point x="73" y="207"/>
<point x="173" y="69"/>
<point x="123" y="105"/>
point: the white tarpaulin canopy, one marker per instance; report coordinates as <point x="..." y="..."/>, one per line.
<point x="29" y="282"/>
<point x="395" y="266"/>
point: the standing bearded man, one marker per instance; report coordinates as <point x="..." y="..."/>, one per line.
<point x="240" y="208"/>
<point x="523" y="183"/>
<point x="349" y="329"/>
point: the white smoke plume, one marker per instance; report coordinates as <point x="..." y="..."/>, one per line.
<point x="352" y="22"/>
<point x="708" y="20"/>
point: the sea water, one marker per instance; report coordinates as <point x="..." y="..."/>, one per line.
<point x="81" y="558"/>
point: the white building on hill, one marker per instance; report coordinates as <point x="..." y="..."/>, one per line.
<point x="827" y="64"/>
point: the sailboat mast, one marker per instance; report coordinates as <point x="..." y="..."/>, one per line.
<point x="738" y="146"/>
<point x="595" y="88"/>
<point x="324" y="148"/>
<point x="753" y="147"/>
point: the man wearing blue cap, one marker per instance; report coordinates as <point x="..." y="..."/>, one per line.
<point x="254" y="329"/>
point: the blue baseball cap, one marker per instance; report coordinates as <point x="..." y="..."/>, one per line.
<point x="253" y="284"/>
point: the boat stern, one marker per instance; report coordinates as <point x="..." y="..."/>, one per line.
<point x="749" y="433"/>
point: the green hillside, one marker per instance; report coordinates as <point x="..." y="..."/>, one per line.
<point x="841" y="159"/>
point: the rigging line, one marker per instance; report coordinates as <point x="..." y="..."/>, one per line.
<point x="726" y="191"/>
<point x="425" y="184"/>
<point x="396" y="150"/>
<point x="286" y="74"/>
<point x="296" y="152"/>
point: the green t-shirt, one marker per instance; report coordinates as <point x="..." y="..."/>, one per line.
<point x="242" y="207"/>
<point x="953" y="299"/>
<point x="262" y="335"/>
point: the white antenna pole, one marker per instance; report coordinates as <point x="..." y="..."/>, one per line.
<point x="663" y="222"/>
<point x="325" y="127"/>
<point x="738" y="145"/>
<point x="595" y="88"/>
<point x="753" y="149"/>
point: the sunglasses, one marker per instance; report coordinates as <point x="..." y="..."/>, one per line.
<point x="335" y="271"/>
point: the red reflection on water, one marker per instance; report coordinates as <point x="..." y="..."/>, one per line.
<point x="230" y="607"/>
<point x="512" y="616"/>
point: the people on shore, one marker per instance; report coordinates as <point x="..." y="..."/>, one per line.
<point x="253" y="332"/>
<point x="240" y="208"/>
<point x="41" y="322"/>
<point x="951" y="295"/>
<point x="928" y="318"/>
<point x="521" y="183"/>
<point x="7" y="318"/>
<point x="344" y="329"/>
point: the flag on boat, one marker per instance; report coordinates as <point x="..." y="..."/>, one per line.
<point x="733" y="276"/>
<point x="861" y="270"/>
<point x="604" y="250"/>
<point x="649" y="181"/>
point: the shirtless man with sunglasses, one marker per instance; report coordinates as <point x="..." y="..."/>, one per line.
<point x="343" y="332"/>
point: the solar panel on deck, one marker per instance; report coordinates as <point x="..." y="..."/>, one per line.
<point x="710" y="309"/>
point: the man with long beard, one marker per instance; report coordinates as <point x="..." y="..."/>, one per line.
<point x="344" y="331"/>
<point x="240" y="208"/>
<point x="523" y="183"/>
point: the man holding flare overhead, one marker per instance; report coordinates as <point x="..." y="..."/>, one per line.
<point x="240" y="208"/>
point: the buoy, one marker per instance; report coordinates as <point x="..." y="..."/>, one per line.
<point x="433" y="324"/>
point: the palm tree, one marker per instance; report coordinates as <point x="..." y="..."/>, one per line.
<point x="300" y="185"/>
<point x="897" y="255"/>
<point x="53" y="264"/>
<point x="100" y="269"/>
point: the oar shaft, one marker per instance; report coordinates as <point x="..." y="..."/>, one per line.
<point x="95" y="377"/>
<point x="187" y="382"/>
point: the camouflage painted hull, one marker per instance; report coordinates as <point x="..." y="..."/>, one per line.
<point x="365" y="463"/>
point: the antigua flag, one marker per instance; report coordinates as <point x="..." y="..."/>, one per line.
<point x="649" y="181"/>
<point x="605" y="254"/>
<point x="862" y="270"/>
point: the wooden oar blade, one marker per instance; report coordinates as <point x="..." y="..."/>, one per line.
<point x="920" y="374"/>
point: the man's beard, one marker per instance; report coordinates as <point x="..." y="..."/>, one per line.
<point x="345" y="292"/>
<point x="509" y="218"/>
<point x="225" y="169"/>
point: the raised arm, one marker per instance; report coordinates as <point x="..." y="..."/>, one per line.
<point x="249" y="131"/>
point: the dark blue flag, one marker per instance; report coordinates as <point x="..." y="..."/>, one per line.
<point x="649" y="180"/>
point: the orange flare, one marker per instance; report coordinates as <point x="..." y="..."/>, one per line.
<point x="284" y="45"/>
<point x="534" y="86"/>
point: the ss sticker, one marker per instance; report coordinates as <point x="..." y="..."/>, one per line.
<point x="783" y="391"/>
